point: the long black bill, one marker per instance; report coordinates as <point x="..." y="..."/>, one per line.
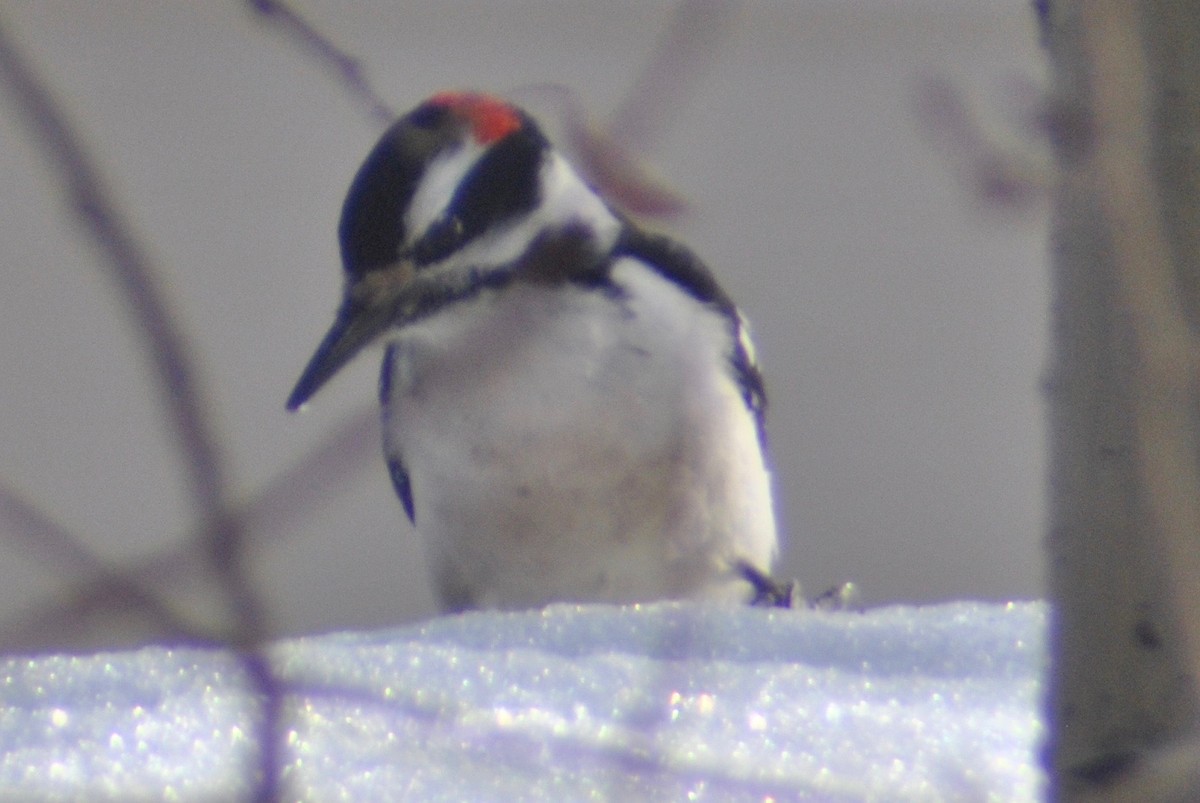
<point x="390" y="297"/>
<point x="356" y="326"/>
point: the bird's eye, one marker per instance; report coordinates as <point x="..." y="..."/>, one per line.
<point x="443" y="236"/>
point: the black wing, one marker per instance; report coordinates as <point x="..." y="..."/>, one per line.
<point x="677" y="263"/>
<point x="396" y="469"/>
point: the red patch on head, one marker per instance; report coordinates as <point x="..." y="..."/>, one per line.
<point x="490" y="118"/>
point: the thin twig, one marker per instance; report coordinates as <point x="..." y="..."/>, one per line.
<point x="269" y="761"/>
<point x="57" y="546"/>
<point x="169" y="356"/>
<point x="136" y="278"/>
<point x="289" y="497"/>
<point x="346" y="69"/>
<point x="686" y="51"/>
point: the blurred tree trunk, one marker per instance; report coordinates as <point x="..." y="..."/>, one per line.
<point x="1124" y="392"/>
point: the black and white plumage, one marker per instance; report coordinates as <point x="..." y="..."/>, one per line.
<point x="571" y="405"/>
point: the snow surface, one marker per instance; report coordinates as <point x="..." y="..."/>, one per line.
<point x="659" y="702"/>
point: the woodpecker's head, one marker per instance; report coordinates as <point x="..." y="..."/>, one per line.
<point x="442" y="175"/>
<point x="452" y="196"/>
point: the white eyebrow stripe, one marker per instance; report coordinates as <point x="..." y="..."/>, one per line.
<point x="442" y="177"/>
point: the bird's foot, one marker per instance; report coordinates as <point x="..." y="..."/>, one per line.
<point x="770" y="592"/>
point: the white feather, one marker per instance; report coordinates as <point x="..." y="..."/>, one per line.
<point x="565" y="444"/>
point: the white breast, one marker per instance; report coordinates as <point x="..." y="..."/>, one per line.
<point x="571" y="443"/>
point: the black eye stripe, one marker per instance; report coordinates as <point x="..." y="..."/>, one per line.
<point x="503" y="184"/>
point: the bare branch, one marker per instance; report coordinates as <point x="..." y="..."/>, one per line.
<point x="53" y="544"/>
<point x="345" y="68"/>
<point x="351" y="448"/>
<point x="686" y="50"/>
<point x="1001" y="176"/>
<point x="137" y="281"/>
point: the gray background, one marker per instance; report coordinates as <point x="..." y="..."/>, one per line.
<point x="901" y="321"/>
